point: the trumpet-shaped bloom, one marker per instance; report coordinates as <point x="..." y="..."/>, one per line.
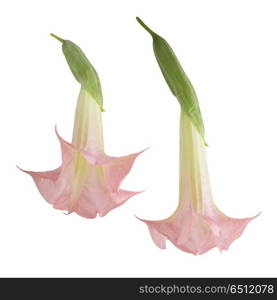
<point x="197" y="225"/>
<point x="88" y="181"/>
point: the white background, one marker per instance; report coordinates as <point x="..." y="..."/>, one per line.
<point x="229" y="51"/>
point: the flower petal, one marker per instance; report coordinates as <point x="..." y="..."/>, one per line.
<point x="194" y="233"/>
<point x="226" y="229"/>
<point x="186" y="231"/>
<point x="117" y="169"/>
<point x="86" y="183"/>
<point x="46" y="183"/>
<point x="68" y="150"/>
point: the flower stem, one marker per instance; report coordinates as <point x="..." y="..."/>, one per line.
<point x="56" y="37"/>
<point x="145" y="26"/>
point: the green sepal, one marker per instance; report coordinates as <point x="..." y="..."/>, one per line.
<point x="176" y="79"/>
<point x="82" y="69"/>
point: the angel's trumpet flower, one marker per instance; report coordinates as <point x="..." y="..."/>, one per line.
<point x="197" y="225"/>
<point x="88" y="181"/>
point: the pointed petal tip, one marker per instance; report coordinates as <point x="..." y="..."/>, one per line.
<point x="57" y="133"/>
<point x="145" y="149"/>
<point x="125" y="195"/>
<point x="138" y="192"/>
<point x="158" y="238"/>
<point x="63" y="141"/>
<point x="143" y="220"/>
<point x="20" y="168"/>
<point x="136" y="153"/>
<point x="257" y="215"/>
<point x="138" y="218"/>
<point x="130" y="194"/>
<point x="233" y="231"/>
<point x="25" y="171"/>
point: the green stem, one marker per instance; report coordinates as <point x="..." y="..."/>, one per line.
<point x="145" y="26"/>
<point x="56" y="37"/>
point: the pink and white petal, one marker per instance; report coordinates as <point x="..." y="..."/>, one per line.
<point x="226" y="229"/>
<point x="96" y="158"/>
<point x="196" y="238"/>
<point x="117" y="169"/>
<point x="158" y="238"/>
<point x="46" y="183"/>
<point x="117" y="199"/>
<point x="80" y="196"/>
<point x="194" y="243"/>
<point x="122" y="196"/>
<point x="185" y="230"/>
<point x="82" y="184"/>
<point x="65" y="185"/>
<point x="86" y="208"/>
<point x="68" y="150"/>
<point x="95" y="198"/>
<point x="100" y="158"/>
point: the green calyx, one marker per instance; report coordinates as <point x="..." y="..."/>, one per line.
<point x="176" y="79"/>
<point x="82" y="69"/>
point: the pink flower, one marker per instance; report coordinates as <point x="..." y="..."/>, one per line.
<point x="197" y="225"/>
<point x="88" y="181"/>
